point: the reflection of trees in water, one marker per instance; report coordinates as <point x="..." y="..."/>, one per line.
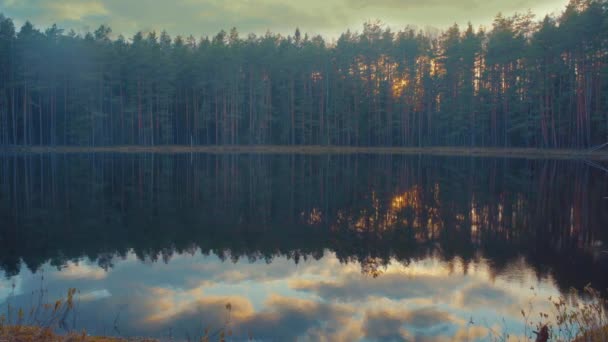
<point x="367" y="209"/>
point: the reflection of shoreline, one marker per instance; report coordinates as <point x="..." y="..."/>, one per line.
<point x="367" y="209"/>
<point x="533" y="153"/>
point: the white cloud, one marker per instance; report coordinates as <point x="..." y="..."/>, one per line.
<point x="207" y="17"/>
<point x="82" y="271"/>
<point x="9" y="3"/>
<point x="77" y="10"/>
<point x="94" y="295"/>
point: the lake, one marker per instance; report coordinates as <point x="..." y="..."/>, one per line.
<point x="307" y="247"/>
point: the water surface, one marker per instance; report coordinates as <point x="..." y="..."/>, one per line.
<point x="341" y="247"/>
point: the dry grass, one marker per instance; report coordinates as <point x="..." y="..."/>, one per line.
<point x="582" y="320"/>
<point x="273" y="149"/>
<point x="599" y="335"/>
<point x="577" y="317"/>
<point x="20" y="333"/>
<point x="42" y="321"/>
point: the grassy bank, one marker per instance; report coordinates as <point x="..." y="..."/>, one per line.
<point x="534" y="153"/>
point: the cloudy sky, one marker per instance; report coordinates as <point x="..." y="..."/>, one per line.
<point x="206" y="17"/>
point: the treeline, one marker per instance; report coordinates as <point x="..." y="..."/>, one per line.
<point x="520" y="83"/>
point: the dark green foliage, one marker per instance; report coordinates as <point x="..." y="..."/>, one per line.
<point x="523" y="83"/>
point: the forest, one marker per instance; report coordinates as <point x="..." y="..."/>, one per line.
<point x="523" y="82"/>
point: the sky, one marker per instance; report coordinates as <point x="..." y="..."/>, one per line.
<point x="206" y="17"/>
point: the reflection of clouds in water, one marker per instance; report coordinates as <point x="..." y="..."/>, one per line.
<point x="281" y="318"/>
<point x="392" y="286"/>
<point x="425" y="324"/>
<point x="483" y="296"/>
<point x="81" y="271"/>
<point x="385" y="325"/>
<point x="193" y="313"/>
<point x="11" y="286"/>
<point x="288" y="318"/>
<point x="5" y="289"/>
<point x="471" y="333"/>
<point x="427" y="317"/>
<point x="405" y="325"/>
<point x="94" y="295"/>
<point x="316" y="299"/>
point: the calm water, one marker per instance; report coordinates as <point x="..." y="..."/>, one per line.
<point x="302" y="247"/>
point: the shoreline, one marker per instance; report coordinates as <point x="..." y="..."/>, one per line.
<point x="533" y="153"/>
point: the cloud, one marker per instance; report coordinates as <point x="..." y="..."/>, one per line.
<point x="412" y="4"/>
<point x="287" y="319"/>
<point x="490" y="7"/>
<point x="427" y="318"/>
<point x="281" y="318"/>
<point x="81" y="271"/>
<point x="166" y="307"/>
<point x="402" y="325"/>
<point x="94" y="295"/>
<point x="483" y="295"/>
<point x="424" y="324"/>
<point x="443" y="13"/>
<point x="392" y="285"/>
<point x="9" y="3"/>
<point x="385" y="325"/>
<point x="207" y="17"/>
<point x="76" y="10"/>
<point x="472" y="333"/>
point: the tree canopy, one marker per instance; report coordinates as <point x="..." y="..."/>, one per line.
<point x="522" y="82"/>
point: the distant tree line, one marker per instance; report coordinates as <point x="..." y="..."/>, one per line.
<point x="520" y="83"/>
